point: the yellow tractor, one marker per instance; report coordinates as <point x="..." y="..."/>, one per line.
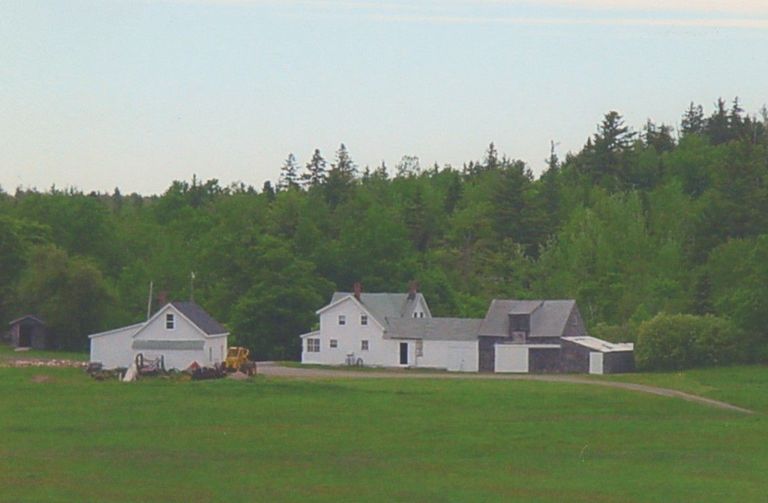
<point x="237" y="359"/>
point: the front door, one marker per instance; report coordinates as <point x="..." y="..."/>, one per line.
<point x="403" y="353"/>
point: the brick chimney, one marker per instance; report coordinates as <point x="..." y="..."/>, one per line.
<point x="413" y="288"/>
<point x="162" y="298"/>
<point x="358" y="290"/>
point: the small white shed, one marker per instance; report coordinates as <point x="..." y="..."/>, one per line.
<point x="180" y="332"/>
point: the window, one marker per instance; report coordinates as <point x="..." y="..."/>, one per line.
<point x="170" y="321"/>
<point x="334" y="344"/>
<point x="313" y="345"/>
<point x="342" y="319"/>
<point x="363" y="319"/>
<point x="421" y="315"/>
<point x="364" y="345"/>
<point x="419" y="348"/>
<point x="415" y="314"/>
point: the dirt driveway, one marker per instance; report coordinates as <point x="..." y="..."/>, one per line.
<point x="272" y="369"/>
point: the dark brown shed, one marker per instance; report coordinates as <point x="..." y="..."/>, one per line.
<point x="30" y="332"/>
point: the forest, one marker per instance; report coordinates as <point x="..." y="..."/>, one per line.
<point x="659" y="225"/>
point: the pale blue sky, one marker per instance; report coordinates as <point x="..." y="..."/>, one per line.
<point x="136" y="93"/>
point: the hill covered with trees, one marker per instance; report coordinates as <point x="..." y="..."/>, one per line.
<point x="670" y="220"/>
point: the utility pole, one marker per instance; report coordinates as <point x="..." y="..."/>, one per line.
<point x="149" y="301"/>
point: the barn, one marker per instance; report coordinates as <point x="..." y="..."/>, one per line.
<point x="180" y="332"/>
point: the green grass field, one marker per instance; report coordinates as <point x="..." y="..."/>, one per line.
<point x="7" y="353"/>
<point x="64" y="437"/>
<point x="744" y="385"/>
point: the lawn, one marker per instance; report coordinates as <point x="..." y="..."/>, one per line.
<point x="7" y="353"/>
<point x="743" y="385"/>
<point x="68" y="438"/>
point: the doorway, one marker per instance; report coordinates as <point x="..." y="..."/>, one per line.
<point x="25" y="336"/>
<point x="403" y="353"/>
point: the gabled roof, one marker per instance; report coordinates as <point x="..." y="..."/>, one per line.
<point x="548" y="317"/>
<point x="199" y="317"/>
<point x="27" y="317"/>
<point x="190" y="310"/>
<point x="435" y="329"/>
<point x="386" y="306"/>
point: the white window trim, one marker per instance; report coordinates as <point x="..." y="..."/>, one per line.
<point x="313" y="345"/>
<point x="172" y="318"/>
<point x="364" y="345"/>
<point x="342" y="319"/>
<point x="334" y="343"/>
<point x="364" y="319"/>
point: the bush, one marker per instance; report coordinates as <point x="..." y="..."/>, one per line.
<point x="680" y="341"/>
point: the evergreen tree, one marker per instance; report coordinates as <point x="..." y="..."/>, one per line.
<point x="341" y="178"/>
<point x="659" y="138"/>
<point x="693" y="120"/>
<point x="408" y="166"/>
<point x="453" y="193"/>
<point x="268" y="191"/>
<point x="491" y="160"/>
<point x="289" y="174"/>
<point x="718" y="125"/>
<point x="315" y="171"/>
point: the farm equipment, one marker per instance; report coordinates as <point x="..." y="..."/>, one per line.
<point x="146" y="366"/>
<point x="237" y="360"/>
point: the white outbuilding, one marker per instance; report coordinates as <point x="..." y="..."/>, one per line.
<point x="180" y="332"/>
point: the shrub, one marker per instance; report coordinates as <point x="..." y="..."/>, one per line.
<point x="679" y="341"/>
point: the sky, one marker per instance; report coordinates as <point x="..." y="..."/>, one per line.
<point x="137" y="93"/>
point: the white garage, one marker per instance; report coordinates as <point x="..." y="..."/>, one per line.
<point x="180" y="333"/>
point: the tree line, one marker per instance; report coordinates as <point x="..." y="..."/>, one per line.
<point x="667" y="219"/>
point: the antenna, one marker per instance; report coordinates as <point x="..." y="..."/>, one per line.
<point x="149" y="301"/>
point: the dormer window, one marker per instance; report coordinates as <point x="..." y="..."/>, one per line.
<point x="170" y="321"/>
<point x="363" y="319"/>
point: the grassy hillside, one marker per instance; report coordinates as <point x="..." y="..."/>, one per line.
<point x="67" y="438"/>
<point x="743" y="385"/>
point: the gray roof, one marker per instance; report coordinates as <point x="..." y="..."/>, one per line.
<point x="387" y="306"/>
<point x="199" y="317"/>
<point x="435" y="329"/>
<point x="548" y="317"/>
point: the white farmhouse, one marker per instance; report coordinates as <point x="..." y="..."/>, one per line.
<point x="180" y="332"/>
<point x="398" y="330"/>
<point x="390" y="330"/>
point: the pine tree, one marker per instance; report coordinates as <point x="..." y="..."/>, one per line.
<point x="491" y="160"/>
<point x="454" y="193"/>
<point x="268" y="191"/>
<point x="315" y="171"/>
<point x="659" y="138"/>
<point x="693" y="120"/>
<point x="341" y="177"/>
<point x="718" y="125"/>
<point x="289" y="174"/>
<point x="408" y="166"/>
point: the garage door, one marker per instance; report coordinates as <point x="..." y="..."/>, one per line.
<point x="511" y="358"/>
<point x="595" y="363"/>
<point x="460" y="358"/>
